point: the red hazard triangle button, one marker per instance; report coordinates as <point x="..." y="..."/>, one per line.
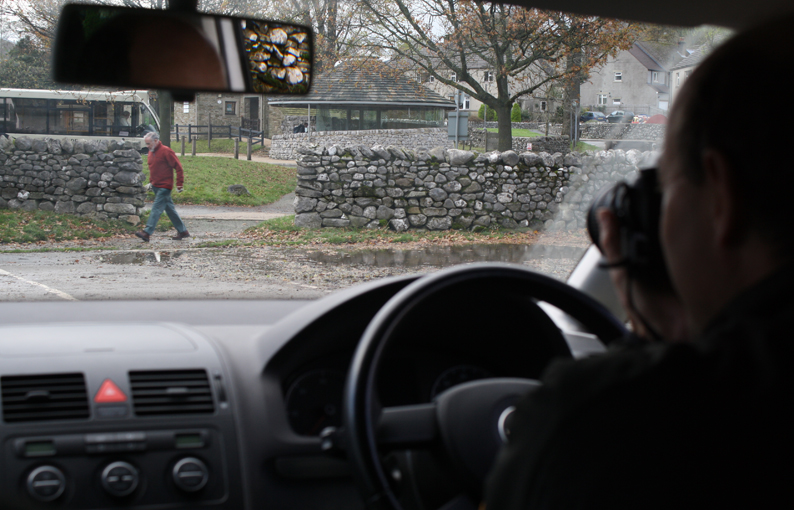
<point x="109" y="392"/>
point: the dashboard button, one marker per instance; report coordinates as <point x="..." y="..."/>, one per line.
<point x="46" y="483"/>
<point x="190" y="474"/>
<point x="120" y="479"/>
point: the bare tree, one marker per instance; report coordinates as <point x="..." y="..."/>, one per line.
<point x="525" y="49"/>
<point x="339" y="27"/>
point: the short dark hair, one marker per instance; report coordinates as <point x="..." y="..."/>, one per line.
<point x="707" y="117"/>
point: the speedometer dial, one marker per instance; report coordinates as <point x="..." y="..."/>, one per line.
<point x="457" y="375"/>
<point x="314" y="401"/>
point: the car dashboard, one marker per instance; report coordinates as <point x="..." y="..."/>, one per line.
<point x="221" y="404"/>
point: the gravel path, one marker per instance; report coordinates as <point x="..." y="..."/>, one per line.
<point x="281" y="207"/>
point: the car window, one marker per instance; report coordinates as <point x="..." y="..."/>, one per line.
<point x="372" y="196"/>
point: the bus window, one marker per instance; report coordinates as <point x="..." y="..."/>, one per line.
<point x="66" y="113"/>
<point x="103" y="117"/>
<point x="147" y="119"/>
<point x="125" y="118"/>
<point x="31" y="115"/>
<point x="8" y="121"/>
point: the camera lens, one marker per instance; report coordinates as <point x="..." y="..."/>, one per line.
<point x="606" y="199"/>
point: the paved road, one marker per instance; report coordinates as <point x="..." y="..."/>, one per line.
<point x="126" y="268"/>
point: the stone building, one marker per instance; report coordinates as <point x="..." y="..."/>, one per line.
<point x="637" y="80"/>
<point x="681" y="71"/>
<point x="223" y="109"/>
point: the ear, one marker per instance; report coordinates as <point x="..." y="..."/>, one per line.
<point x="721" y="187"/>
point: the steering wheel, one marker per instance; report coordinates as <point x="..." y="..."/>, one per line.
<point x="467" y="423"/>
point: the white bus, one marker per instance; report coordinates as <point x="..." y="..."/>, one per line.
<point x="76" y="114"/>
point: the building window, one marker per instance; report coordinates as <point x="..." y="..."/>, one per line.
<point x="615" y="100"/>
<point x="231" y="108"/>
<point x="618" y="75"/>
<point x="453" y="77"/>
<point x="602" y="99"/>
<point x="655" y="77"/>
<point x="543" y="106"/>
<point x="677" y="79"/>
<point x="431" y="79"/>
<point x="185" y="107"/>
<point x="488" y="76"/>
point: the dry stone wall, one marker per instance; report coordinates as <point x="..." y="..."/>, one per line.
<point x="287" y="146"/>
<point x="550" y="144"/>
<point x="439" y="189"/>
<point x="606" y="131"/>
<point x="540" y="127"/>
<point x="100" y="179"/>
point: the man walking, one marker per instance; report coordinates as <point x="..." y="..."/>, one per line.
<point x="162" y="163"/>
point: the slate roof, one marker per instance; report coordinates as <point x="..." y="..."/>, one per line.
<point x="693" y="59"/>
<point x="655" y="56"/>
<point x="368" y="82"/>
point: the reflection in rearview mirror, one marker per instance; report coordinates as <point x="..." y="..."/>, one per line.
<point x="143" y="48"/>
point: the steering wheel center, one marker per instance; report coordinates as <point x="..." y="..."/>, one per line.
<point x="471" y="420"/>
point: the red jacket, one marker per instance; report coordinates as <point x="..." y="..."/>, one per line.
<point x="162" y="163"/>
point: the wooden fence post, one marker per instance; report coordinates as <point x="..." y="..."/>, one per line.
<point x="209" y="136"/>
<point x="236" y="148"/>
<point x="249" y="148"/>
<point x="194" y="145"/>
<point x="189" y="134"/>
<point x="183" y="146"/>
<point x="177" y="132"/>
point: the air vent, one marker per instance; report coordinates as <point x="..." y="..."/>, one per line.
<point x="44" y="397"/>
<point x="171" y="392"/>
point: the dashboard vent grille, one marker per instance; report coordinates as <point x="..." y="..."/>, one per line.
<point x="44" y="397"/>
<point x="171" y="392"/>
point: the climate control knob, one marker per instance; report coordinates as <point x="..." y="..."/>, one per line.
<point x="46" y="483"/>
<point x="120" y="479"/>
<point x="190" y="474"/>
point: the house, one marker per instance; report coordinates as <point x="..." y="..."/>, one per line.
<point x="681" y="71"/>
<point x="223" y="109"/>
<point x="637" y="79"/>
<point x="484" y="72"/>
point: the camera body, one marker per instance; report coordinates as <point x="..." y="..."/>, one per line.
<point x="638" y="209"/>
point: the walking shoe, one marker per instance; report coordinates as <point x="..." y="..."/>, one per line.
<point x="181" y="235"/>
<point x="143" y="235"/>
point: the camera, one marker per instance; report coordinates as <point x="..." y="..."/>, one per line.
<point x="638" y="209"/>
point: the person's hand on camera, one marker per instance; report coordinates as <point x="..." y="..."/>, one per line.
<point x="660" y="310"/>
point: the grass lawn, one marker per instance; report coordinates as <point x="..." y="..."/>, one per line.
<point x="582" y="146"/>
<point x="207" y="178"/>
<point x="32" y="226"/>
<point x="219" y="145"/>
<point x="522" y="133"/>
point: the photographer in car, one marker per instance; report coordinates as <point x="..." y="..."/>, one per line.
<point x="692" y="413"/>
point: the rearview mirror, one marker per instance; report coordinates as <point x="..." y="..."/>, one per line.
<point x="144" y="48"/>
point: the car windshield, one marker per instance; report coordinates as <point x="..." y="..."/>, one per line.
<point x="455" y="154"/>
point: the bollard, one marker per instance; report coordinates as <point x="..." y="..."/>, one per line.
<point x="236" y="149"/>
<point x="249" y="148"/>
<point x="183" y="146"/>
<point x="194" y="146"/>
